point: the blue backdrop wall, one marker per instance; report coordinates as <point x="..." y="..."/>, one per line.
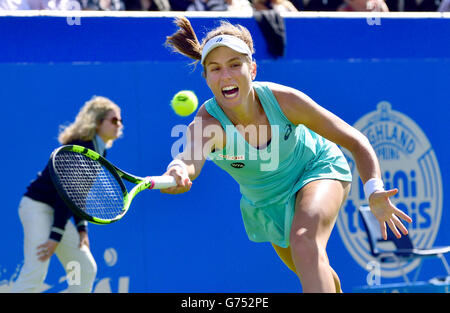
<point x="196" y="242"/>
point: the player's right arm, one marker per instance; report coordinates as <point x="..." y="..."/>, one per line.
<point x="204" y="134"/>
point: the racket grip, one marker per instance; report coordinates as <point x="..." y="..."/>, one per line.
<point x="162" y="182"/>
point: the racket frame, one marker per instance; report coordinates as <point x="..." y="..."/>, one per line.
<point x="141" y="183"/>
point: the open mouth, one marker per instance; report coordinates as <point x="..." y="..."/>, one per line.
<point x="230" y="91"/>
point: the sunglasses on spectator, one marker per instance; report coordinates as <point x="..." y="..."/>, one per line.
<point x="114" y="120"/>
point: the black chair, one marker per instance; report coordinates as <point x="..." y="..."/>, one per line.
<point x="403" y="251"/>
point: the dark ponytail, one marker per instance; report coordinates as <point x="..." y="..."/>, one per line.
<point x="185" y="41"/>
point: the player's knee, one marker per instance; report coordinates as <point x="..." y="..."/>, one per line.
<point x="305" y="249"/>
<point x="302" y="245"/>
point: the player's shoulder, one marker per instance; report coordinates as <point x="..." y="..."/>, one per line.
<point x="206" y="118"/>
<point x="210" y="128"/>
<point x="293" y="102"/>
<point x="285" y="95"/>
<point x="282" y="90"/>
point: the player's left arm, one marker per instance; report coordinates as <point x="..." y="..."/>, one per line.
<point x="301" y="109"/>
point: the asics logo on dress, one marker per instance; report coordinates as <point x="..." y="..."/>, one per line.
<point x="287" y="131"/>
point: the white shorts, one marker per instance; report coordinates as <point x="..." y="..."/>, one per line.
<point x="37" y="220"/>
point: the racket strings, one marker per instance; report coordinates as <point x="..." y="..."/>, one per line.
<point x="89" y="185"/>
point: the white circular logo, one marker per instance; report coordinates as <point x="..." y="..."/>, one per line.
<point x="110" y="256"/>
<point x="408" y="163"/>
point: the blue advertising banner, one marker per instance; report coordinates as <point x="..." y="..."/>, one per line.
<point x="389" y="78"/>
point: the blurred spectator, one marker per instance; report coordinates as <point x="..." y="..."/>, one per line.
<point x="179" y="5"/>
<point x="208" y="5"/>
<point x="401" y="5"/>
<point x="243" y="6"/>
<point x="428" y="5"/>
<point x="14" y="5"/>
<point x="298" y="4"/>
<point x="102" y="5"/>
<point x="147" y="5"/>
<point x="273" y="28"/>
<point x="221" y="5"/>
<point x="445" y="6"/>
<point x="277" y="5"/>
<point x="321" y="5"/>
<point x="36" y="4"/>
<point x="97" y="5"/>
<point x="364" y="5"/>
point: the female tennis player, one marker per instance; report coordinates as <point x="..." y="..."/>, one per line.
<point x="292" y="175"/>
<point x="45" y="217"/>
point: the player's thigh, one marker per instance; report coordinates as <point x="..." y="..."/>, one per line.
<point x="316" y="208"/>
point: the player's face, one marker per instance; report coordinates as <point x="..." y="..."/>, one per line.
<point x="111" y="127"/>
<point x="229" y="75"/>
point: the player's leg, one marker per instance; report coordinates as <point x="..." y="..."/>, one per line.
<point x="286" y="256"/>
<point x="316" y="208"/>
<point x="79" y="263"/>
<point x="36" y="218"/>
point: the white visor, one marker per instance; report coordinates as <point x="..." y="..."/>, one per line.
<point x="228" y="41"/>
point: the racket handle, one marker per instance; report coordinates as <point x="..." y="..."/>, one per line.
<point x="163" y="182"/>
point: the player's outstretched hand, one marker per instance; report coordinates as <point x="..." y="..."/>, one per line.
<point x="385" y="212"/>
<point x="182" y="178"/>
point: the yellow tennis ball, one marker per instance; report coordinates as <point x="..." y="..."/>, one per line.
<point x="184" y="103"/>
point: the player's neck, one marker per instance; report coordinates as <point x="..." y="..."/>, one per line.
<point x="249" y="112"/>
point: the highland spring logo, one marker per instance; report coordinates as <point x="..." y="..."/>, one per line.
<point x="408" y="163"/>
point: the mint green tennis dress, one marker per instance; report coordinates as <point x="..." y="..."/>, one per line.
<point x="270" y="177"/>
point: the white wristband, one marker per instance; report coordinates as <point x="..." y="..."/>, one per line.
<point x="372" y="185"/>
<point x="179" y="163"/>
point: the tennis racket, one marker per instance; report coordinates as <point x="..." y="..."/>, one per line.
<point x="93" y="188"/>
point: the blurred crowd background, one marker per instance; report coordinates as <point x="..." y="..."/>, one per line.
<point x="231" y="5"/>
